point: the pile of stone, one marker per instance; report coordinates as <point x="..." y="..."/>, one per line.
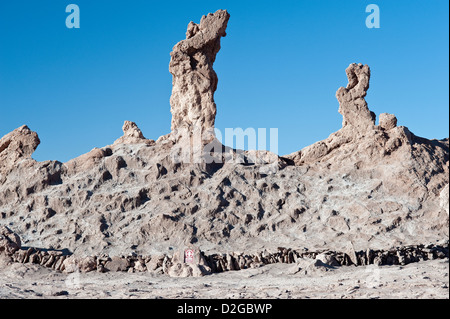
<point x="396" y="256"/>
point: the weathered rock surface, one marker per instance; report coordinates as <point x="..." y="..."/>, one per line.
<point x="16" y="146"/>
<point x="194" y="79"/>
<point x="444" y="199"/>
<point x="200" y="264"/>
<point x="377" y="186"/>
<point x="132" y="135"/>
<point x="400" y="174"/>
<point x="9" y="241"/>
<point x="352" y="104"/>
<point x="388" y="121"/>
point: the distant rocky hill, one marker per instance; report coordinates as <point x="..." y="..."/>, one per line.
<point x="368" y="185"/>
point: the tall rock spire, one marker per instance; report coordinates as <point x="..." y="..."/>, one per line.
<point x="352" y="103"/>
<point x="194" y="80"/>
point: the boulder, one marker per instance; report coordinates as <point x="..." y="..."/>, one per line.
<point x="70" y="265"/>
<point x="328" y="259"/>
<point x="117" y="264"/>
<point x="388" y="121"/>
<point x="9" y="241"/>
<point x="88" y="264"/>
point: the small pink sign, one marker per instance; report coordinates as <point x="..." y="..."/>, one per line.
<point x="189" y="256"/>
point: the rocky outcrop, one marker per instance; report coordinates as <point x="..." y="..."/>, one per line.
<point x="132" y="135"/>
<point x="377" y="186"/>
<point x="202" y="264"/>
<point x="352" y="103"/>
<point x="9" y="241"/>
<point x="178" y="267"/>
<point x="444" y="199"/>
<point x="361" y="143"/>
<point x="388" y="121"/>
<point x="358" y="125"/>
<point x="194" y="79"/>
<point x="17" y="145"/>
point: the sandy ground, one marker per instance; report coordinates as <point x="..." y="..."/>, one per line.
<point x="428" y="279"/>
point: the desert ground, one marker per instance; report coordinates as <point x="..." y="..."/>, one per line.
<point x="426" y="279"/>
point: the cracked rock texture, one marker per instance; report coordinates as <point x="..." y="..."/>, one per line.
<point x="194" y="79"/>
<point x="353" y="106"/>
<point x="16" y="146"/>
<point x="9" y="241"/>
<point x="132" y="135"/>
<point x="367" y="186"/>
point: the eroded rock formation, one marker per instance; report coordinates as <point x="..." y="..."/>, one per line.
<point x="388" y="121"/>
<point x="352" y="103"/>
<point x="175" y="265"/>
<point x="132" y="135"/>
<point x="17" y="145"/>
<point x="194" y="79"/>
<point x="9" y="241"/>
<point x="376" y="186"/>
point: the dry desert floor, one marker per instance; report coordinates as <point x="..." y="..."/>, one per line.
<point x="427" y="279"/>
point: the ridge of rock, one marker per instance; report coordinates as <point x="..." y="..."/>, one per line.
<point x="376" y="186"/>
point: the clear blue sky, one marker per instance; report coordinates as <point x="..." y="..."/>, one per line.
<point x="279" y="66"/>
